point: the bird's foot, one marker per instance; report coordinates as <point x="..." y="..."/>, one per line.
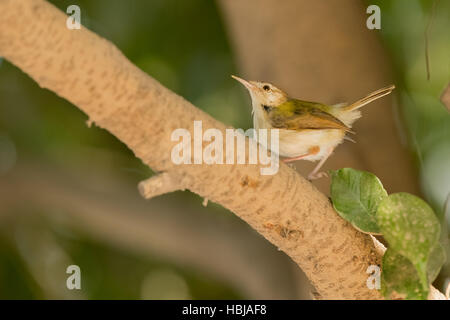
<point x="317" y="175"/>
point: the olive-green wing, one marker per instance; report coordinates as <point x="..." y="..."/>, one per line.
<point x="299" y="115"/>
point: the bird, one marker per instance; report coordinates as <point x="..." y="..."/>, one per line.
<point x="307" y="130"/>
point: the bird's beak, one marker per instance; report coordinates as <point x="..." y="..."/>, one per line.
<point x="246" y="83"/>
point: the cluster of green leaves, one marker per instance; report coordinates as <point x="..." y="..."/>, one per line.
<point x="414" y="256"/>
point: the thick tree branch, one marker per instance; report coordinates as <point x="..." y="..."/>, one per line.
<point x="94" y="75"/>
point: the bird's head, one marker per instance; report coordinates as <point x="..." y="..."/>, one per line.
<point x="264" y="94"/>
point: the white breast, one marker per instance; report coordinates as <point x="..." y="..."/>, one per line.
<point x="295" y="143"/>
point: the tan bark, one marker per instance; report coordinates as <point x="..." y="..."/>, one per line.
<point x="92" y="73"/>
<point x="162" y="183"/>
<point x="322" y="51"/>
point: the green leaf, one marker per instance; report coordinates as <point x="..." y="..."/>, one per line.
<point x="435" y="262"/>
<point x="411" y="228"/>
<point x="399" y="276"/>
<point x="356" y="195"/>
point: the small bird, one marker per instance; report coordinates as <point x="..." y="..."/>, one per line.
<point x="307" y="130"/>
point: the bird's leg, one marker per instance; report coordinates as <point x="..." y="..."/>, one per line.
<point x="315" y="174"/>
<point x="311" y="151"/>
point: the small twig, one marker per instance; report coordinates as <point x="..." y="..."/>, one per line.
<point x="162" y="183"/>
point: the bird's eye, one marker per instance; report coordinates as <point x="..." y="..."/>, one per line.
<point x="266" y="87"/>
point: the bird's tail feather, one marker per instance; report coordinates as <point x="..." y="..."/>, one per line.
<point x="371" y="97"/>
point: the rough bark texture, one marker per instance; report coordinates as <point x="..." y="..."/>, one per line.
<point x="92" y="73"/>
<point x="322" y="51"/>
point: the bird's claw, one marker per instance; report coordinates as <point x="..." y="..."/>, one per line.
<point x="318" y="175"/>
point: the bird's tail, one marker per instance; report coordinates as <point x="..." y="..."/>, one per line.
<point x="371" y="97"/>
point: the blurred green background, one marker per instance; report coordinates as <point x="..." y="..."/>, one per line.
<point x="68" y="192"/>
